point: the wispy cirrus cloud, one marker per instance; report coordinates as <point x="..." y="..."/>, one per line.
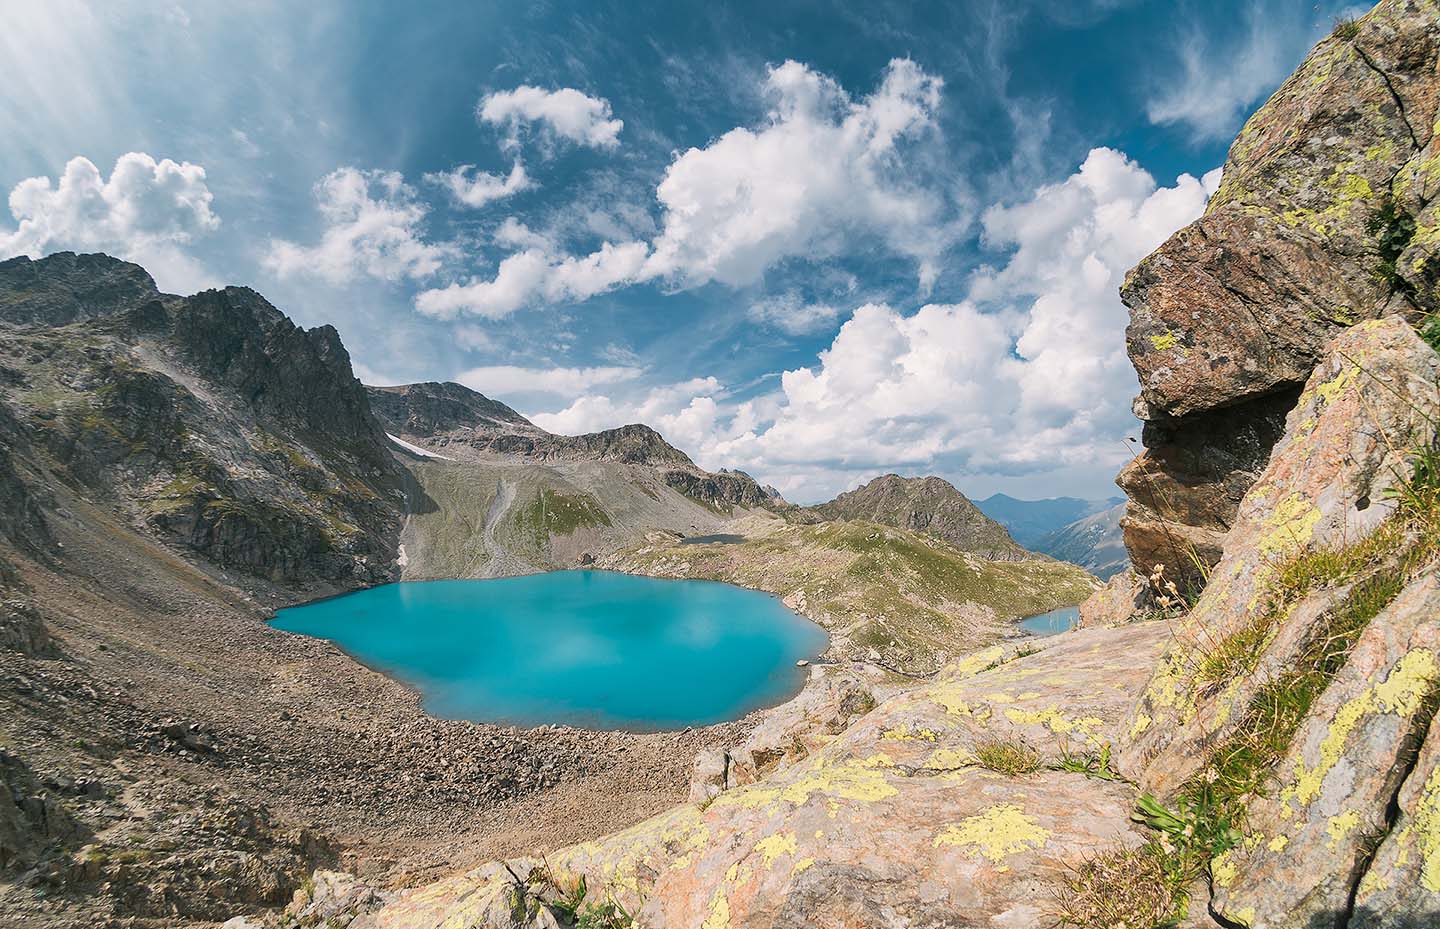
<point x="792" y="314"/>
<point x="502" y="380"/>
<point x="469" y="186"/>
<point x="374" y="227"/>
<point x="1219" y="84"/>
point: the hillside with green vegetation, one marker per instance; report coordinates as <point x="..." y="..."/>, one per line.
<point x="902" y="597"/>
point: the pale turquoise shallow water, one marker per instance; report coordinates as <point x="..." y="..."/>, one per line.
<point x="585" y="648"/>
<point x="1053" y="622"/>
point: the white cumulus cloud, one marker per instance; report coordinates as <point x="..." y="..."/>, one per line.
<point x="823" y="170"/>
<point x="1027" y="375"/>
<point x="565" y="113"/>
<point x="499" y="380"/>
<point x="687" y="414"/>
<point x="474" y="188"/>
<point x="144" y="211"/>
<point x="823" y="174"/>
<point x="374" y="227"/>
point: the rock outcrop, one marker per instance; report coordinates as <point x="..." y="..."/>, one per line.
<point x="1124" y="598"/>
<point x="789" y="734"/>
<point x="34" y="825"/>
<point x="1322" y="221"/>
<point x="721" y="490"/>
<point x="1331" y="482"/>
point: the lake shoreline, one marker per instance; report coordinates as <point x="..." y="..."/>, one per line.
<point x="711" y="671"/>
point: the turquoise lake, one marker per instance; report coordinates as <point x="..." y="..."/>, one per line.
<point x="583" y="648"/>
<point x="1053" y="622"/>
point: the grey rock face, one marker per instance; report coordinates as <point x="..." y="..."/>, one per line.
<point x="212" y="418"/>
<point x="65" y="287"/>
<point x="432" y="408"/>
<point x="22" y="629"/>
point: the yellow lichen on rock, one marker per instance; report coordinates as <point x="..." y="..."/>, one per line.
<point x="773" y="846"/>
<point x="996" y="833"/>
<point x="1289" y="527"/>
<point x="1341" y="826"/>
<point x="1057" y="722"/>
<point x="1399" y="693"/>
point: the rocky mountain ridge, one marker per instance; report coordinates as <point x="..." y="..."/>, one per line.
<point x="1029" y="521"/>
<point x="455" y="420"/>
<point x="1095" y="543"/>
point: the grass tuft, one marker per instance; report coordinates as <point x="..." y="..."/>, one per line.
<point x="568" y="904"/>
<point x="1127" y="887"/>
<point x="1094" y="764"/>
<point x="1346" y="27"/>
<point x="1430" y="332"/>
<point x="1393" y="228"/>
<point x="1011" y="757"/>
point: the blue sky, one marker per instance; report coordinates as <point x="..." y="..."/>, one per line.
<point x="818" y="241"/>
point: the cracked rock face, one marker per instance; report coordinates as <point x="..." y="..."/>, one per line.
<point x="1371" y="400"/>
<point x="1401" y="888"/>
<point x="1306" y="846"/>
<point x="1325" y="218"/>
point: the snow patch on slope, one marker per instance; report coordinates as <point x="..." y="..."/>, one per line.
<point x="422" y="452"/>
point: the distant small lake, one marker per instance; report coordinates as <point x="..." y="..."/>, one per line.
<point x="723" y="538"/>
<point x="1053" y="622"/>
<point x="584" y="648"/>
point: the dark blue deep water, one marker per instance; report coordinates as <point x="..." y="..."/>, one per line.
<point x="584" y="648"/>
<point x="1053" y="622"/>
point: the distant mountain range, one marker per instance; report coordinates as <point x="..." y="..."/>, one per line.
<point x="1082" y="532"/>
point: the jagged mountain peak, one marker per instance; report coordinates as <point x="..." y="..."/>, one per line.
<point x="212" y="419"/>
<point x="67" y="287"/>
<point x="926" y="504"/>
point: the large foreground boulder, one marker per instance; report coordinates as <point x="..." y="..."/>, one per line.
<point x="1310" y="839"/>
<point x="1324" y="218"/>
